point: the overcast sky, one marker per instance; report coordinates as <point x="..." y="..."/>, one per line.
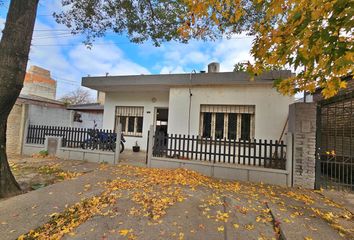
<point x="54" y="48"/>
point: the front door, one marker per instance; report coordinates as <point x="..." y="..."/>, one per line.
<point x="161" y="121"/>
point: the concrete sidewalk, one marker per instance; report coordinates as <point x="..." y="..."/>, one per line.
<point x="253" y="211"/>
<point x="20" y="214"/>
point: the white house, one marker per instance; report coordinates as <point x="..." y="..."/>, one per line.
<point x="214" y="104"/>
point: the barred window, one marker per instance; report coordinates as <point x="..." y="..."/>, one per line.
<point x="131" y="119"/>
<point x="227" y="121"/>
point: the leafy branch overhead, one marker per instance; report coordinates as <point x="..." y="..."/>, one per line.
<point x="314" y="37"/>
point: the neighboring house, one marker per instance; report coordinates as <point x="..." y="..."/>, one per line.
<point x="30" y="107"/>
<point x="38" y="82"/>
<point x="37" y="104"/>
<point x="213" y="104"/>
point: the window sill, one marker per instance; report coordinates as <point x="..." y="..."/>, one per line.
<point x="129" y="135"/>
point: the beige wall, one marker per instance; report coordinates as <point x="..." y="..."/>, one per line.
<point x="15" y="124"/>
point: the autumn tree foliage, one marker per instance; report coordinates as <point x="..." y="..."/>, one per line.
<point x="315" y="37"/>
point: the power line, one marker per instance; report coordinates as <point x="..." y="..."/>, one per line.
<point x="78" y="44"/>
<point x="110" y="43"/>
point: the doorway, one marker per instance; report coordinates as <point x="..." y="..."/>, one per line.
<point x="161" y="121"/>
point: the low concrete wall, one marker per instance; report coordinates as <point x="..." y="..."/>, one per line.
<point x="30" y="149"/>
<point x="86" y="155"/>
<point x="227" y="171"/>
<point x="72" y="153"/>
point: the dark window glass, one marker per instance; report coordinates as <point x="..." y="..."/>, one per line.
<point x="123" y="122"/>
<point x="232" y="126"/>
<point x="245" y="126"/>
<point x="219" y="125"/>
<point x="139" y="125"/>
<point x="207" y="125"/>
<point x="131" y="124"/>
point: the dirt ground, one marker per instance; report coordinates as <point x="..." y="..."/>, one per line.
<point x="39" y="171"/>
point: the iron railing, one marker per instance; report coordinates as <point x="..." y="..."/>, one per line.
<point x="85" y="138"/>
<point x="258" y="153"/>
<point x="335" y="143"/>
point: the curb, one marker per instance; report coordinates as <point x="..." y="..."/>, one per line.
<point x="281" y="232"/>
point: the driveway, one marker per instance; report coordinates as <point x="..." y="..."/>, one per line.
<point x="129" y="202"/>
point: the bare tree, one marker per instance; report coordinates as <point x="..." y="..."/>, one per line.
<point x="78" y="96"/>
<point x="14" y="49"/>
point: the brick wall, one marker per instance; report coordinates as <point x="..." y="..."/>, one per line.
<point x="13" y="132"/>
<point x="302" y="124"/>
<point x="38" y="82"/>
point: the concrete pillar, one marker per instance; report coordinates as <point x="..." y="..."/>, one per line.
<point x="302" y="124"/>
<point x="289" y="158"/>
<point x="23" y="127"/>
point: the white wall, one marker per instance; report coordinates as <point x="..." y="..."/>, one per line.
<point x="142" y="99"/>
<point x="41" y="115"/>
<point x="270" y="116"/>
<point x="88" y="120"/>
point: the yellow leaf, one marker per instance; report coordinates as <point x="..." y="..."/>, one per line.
<point x="221" y="229"/>
<point x="124" y="232"/>
<point x="22" y="237"/>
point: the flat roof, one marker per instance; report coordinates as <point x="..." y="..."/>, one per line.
<point x="86" y="107"/>
<point x="166" y="81"/>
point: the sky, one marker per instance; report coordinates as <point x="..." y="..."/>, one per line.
<point x="68" y="59"/>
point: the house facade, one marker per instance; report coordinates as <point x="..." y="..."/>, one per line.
<point x="224" y="105"/>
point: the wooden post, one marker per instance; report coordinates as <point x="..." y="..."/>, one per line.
<point x="118" y="140"/>
<point x="151" y="144"/>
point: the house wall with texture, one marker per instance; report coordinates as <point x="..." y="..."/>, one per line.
<point x="14" y="131"/>
<point x="42" y="115"/>
<point x="38" y="82"/>
<point x="130" y="99"/>
<point x="271" y="108"/>
<point x="302" y="123"/>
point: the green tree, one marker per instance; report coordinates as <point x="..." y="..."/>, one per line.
<point x="240" y="67"/>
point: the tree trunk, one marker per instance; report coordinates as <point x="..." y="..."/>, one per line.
<point x="14" y="50"/>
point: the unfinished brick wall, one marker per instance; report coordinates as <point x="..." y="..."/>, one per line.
<point x="302" y="124"/>
<point x="13" y="132"/>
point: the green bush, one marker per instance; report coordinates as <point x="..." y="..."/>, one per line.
<point x="43" y="153"/>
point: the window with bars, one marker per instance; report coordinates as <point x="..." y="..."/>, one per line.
<point x="131" y="119"/>
<point x="227" y="121"/>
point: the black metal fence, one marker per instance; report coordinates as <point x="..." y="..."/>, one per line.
<point x="335" y="143"/>
<point x="259" y="153"/>
<point x="85" y="138"/>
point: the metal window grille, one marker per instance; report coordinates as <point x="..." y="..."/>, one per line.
<point x="227" y="121"/>
<point x="131" y="119"/>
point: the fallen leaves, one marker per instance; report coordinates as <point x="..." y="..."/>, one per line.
<point x="124" y="232"/>
<point x="154" y="191"/>
<point x="221" y="228"/>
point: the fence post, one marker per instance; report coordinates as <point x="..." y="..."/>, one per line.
<point x="151" y="144"/>
<point x="118" y="140"/>
<point x="24" y="136"/>
<point x="289" y="158"/>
